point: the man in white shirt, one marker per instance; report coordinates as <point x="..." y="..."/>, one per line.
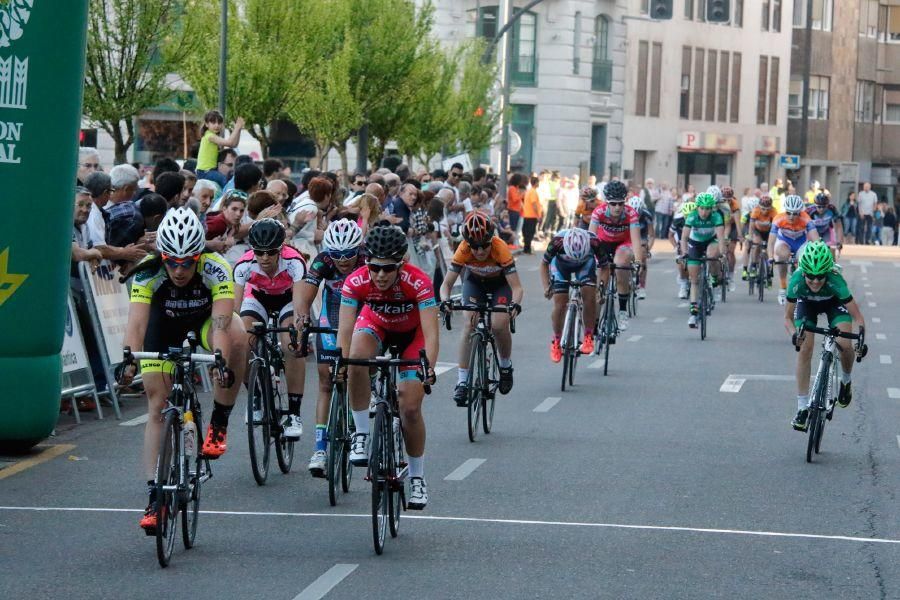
<point x="866" y="201"/>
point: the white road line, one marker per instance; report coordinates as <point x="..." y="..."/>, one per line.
<point x="869" y="294"/>
<point x="668" y="271"/>
<point x="660" y="319"/>
<point x="894" y="393"/>
<point x="765" y="377"/>
<point x="732" y="385"/>
<point x="550" y="402"/>
<point x="867" y="285"/>
<point x="885" y="359"/>
<point x="734" y="382"/>
<point x="897" y="264"/>
<point x="442" y="367"/>
<point x="862" y="264"/>
<point x="597" y="364"/>
<point x="586" y="525"/>
<point x="326" y="582"/>
<point x="135" y="421"/>
<point x="898" y="440"/>
<point x="683" y="305"/>
<point x="465" y="469"/>
<point x="864" y="278"/>
<point x="873" y="305"/>
<point x="880" y="336"/>
<point x="635" y="338"/>
<point x="876" y="319"/>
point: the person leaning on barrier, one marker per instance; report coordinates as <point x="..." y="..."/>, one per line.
<point x="118" y="212"/>
<point x="81" y="251"/>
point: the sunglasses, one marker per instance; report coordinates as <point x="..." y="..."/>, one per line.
<point x="272" y="252"/>
<point x="388" y="268"/>
<point x="482" y="246"/>
<point x="343" y="254"/>
<point x="359" y="183"/>
<point x="815" y="277"/>
<point x="616" y="202"/>
<point x="792" y="214"/>
<point x="455" y="174"/>
<point x="174" y="262"/>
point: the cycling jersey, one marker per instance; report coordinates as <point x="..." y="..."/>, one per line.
<point x="395" y="309"/>
<point x="823" y="221"/>
<point x="324" y="269"/>
<point x="499" y="262"/>
<point x="248" y="273"/>
<point x="611" y="229"/>
<point x="677" y="227"/>
<point x="562" y="267"/>
<point x="212" y="281"/>
<point x="645" y="220"/>
<point x="830" y="300"/>
<point x="794" y="234"/>
<point x="703" y="230"/>
<point x="762" y="219"/>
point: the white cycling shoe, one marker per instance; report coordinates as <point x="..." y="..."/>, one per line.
<point x="293" y="427"/>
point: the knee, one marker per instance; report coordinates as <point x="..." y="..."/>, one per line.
<point x="411" y="414"/>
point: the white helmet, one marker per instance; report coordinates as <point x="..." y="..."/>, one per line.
<point x="342" y="234"/>
<point x="637" y="203"/>
<point x="577" y="243"/>
<point x="715" y="191"/>
<point x="793" y="204"/>
<point x="180" y="233"/>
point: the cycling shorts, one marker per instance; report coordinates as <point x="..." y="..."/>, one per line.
<point x="794" y="245"/>
<point x="561" y="273"/>
<point x="326" y="343"/>
<point x="476" y="289"/>
<point x="164" y="332"/>
<point x="697" y="250"/>
<point x="808" y="311"/>
<point x="259" y="306"/>
<point x="610" y="248"/>
<point x="408" y="343"/>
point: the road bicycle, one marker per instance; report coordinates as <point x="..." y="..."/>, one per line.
<point x="388" y="469"/>
<point x="267" y="399"/>
<point x="572" y="333"/>
<point x="636" y="269"/>
<point x="181" y="469"/>
<point x="608" y="323"/>
<point x="707" y="294"/>
<point x="484" y="364"/>
<point x="825" y="385"/>
<point x="761" y="276"/>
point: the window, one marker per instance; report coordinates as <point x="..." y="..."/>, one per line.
<point x="765" y="15"/>
<point x="892" y="106"/>
<point x="773" y="90"/>
<point x="689" y="9"/>
<point x="723" y="86"/>
<point x="486" y="21"/>
<point x="735" y="87"/>
<point x="795" y="98"/>
<point x="776" y="15"/>
<point x="711" y="70"/>
<point x="523" y="124"/>
<point x="701" y="10"/>
<point x="737" y="15"/>
<point x="893" y="23"/>
<point x="645" y="7"/>
<point x="524" y="54"/>
<point x="697" y="93"/>
<point x="685" y="104"/>
<point x="865" y="101"/>
<point x="819" y="88"/>
<point x="822" y="11"/>
<point x="601" y="80"/>
<point x="868" y="18"/>
<point x="640" y="107"/>
<point x="762" y="91"/>
<point x="655" y="78"/>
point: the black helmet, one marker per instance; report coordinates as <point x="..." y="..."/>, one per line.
<point x="266" y="234"/>
<point x="615" y="190"/>
<point x="823" y="199"/>
<point x="386" y="241"/>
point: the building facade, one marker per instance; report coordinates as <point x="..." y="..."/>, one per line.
<point x="852" y="129"/>
<point x="707" y="103"/>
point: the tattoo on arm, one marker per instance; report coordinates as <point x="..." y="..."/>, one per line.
<point x="221" y="322"/>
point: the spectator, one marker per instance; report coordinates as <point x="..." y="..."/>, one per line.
<point x="221" y="229"/>
<point x="504" y="230"/>
<point x="850" y="216"/>
<point x="88" y="162"/>
<point x="403" y="172"/>
<point x="866" y="202"/>
<point x="368" y="211"/>
<point x="171" y="187"/>
<point x="204" y="191"/>
<point x="190" y="180"/>
<point x="119" y="213"/>
<point x="531" y="214"/>
<point x="81" y="250"/>
<point x="189" y="165"/>
<point x="514" y="200"/>
<point x="303" y="215"/>
<point x="889" y="226"/>
<point x="292" y="189"/>
<point x="453" y="178"/>
<point x="392" y="186"/>
<point x="272" y="168"/>
<point x="279" y="189"/>
<point x="265" y="205"/>
<point x="99" y="186"/>
<point x="665" y="206"/>
<point x="142" y="229"/>
<point x="215" y="150"/>
<point x="402" y="206"/>
<point x="357" y="186"/>
<point x="650" y="194"/>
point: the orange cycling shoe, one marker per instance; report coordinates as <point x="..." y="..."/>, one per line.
<point x="555" y="351"/>
<point x="587" y="345"/>
<point x="148" y="521"/>
<point x="215" y="444"/>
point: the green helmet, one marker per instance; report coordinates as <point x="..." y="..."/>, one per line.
<point x="816" y="259"/>
<point x="705" y="201"/>
<point x="688" y="207"/>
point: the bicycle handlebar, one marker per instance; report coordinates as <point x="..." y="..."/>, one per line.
<point x="448" y="308"/>
<point x="387" y="361"/>
<point x="861" y="348"/>
<point x="308" y="329"/>
<point x="216" y="359"/>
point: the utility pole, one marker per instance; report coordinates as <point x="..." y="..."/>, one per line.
<point x="505" y="55"/>
<point x="807" y="62"/>
<point x="223" y="56"/>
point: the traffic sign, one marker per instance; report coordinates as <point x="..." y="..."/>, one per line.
<point x="789" y="162"/>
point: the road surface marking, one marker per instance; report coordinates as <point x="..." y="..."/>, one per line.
<point x="635" y="338"/>
<point x="668" y="271"/>
<point x="867" y="285"/>
<point x="135" y="421"/>
<point x="683" y="305"/>
<point x="451" y="519"/>
<point x="326" y="582"/>
<point x="597" y="364"/>
<point x="550" y="402"/>
<point x="734" y="382"/>
<point x="732" y="385"/>
<point x="862" y="264"/>
<point x="864" y="278"/>
<point x="465" y="469"/>
<point x="897" y="264"/>
<point x="47" y="453"/>
<point x="873" y="305"/>
<point x="869" y="294"/>
<point x="880" y="336"/>
<point x="442" y="367"/>
<point x="876" y="319"/>
<point x="894" y="393"/>
<point x="885" y="359"/>
<point x="660" y="319"/>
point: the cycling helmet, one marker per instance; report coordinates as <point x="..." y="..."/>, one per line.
<point x="386" y="241"/>
<point x="715" y="192"/>
<point x="637" y="203"/>
<point x="266" y="234"/>
<point x="822" y="199"/>
<point x="588" y="193"/>
<point x="615" y="190"/>
<point x="688" y="207"/>
<point x="766" y="201"/>
<point x="793" y="204"/>
<point x="816" y="258"/>
<point x="728" y="192"/>
<point x="342" y="234"/>
<point x="180" y="233"/>
<point x="577" y="244"/>
<point x="706" y="200"/>
<point x="477" y="229"/>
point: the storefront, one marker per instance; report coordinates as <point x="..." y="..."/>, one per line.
<point x="764" y="161"/>
<point x="706" y="158"/>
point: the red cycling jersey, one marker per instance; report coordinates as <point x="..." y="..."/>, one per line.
<point x="291" y="269"/>
<point x="395" y="309"/>
<point x="610" y="229"/>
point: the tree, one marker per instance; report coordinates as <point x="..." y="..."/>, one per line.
<point x="132" y="46"/>
<point x="477" y="117"/>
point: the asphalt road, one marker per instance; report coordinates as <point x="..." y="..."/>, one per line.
<point x="648" y="483"/>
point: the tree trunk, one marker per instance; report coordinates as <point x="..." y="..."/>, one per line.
<point x="342" y="152"/>
<point x="261" y="137"/>
<point x="322" y="151"/>
<point x="120" y="145"/>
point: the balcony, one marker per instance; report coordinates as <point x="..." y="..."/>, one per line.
<point x="524" y="71"/>
<point x="601" y="78"/>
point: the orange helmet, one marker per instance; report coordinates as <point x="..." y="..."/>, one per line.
<point x="477" y="228"/>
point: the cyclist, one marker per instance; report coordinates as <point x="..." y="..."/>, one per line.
<point x="790" y="230"/>
<point x="488" y="267"/>
<point x="648" y="237"/>
<point x="675" y="230"/>
<point x="398" y="309"/>
<point x="759" y="222"/>
<point x="817" y="287"/>
<point x="571" y="252"/>
<point x="827" y="221"/>
<point x="703" y="236"/>
<point x="587" y="202"/>
<point x="267" y="279"/>
<point x="342" y="253"/>
<point x="618" y="229"/>
<point x="730" y="207"/>
<point x="180" y="289"/>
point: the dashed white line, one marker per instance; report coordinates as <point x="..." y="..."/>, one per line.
<point x="869" y="294"/>
<point x="534" y="268"/>
<point x="732" y="385"/>
<point x="135" y="421"/>
<point x="597" y="364"/>
<point x="867" y="285"/>
<point x="549" y="403"/>
<point x="635" y="338"/>
<point x="442" y="367"/>
<point x="326" y="582"/>
<point x="885" y="359"/>
<point x="894" y="393"/>
<point x="660" y="319"/>
<point x="734" y="382"/>
<point x="873" y="305"/>
<point x="876" y="319"/>
<point x="465" y="469"/>
<point x="880" y="336"/>
<point x="683" y="305"/>
<point x="898" y="440"/>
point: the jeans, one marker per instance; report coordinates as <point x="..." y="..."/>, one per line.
<point x="529" y="226"/>
<point x="663" y="222"/>
<point x="864" y="229"/>
<point x="515" y="223"/>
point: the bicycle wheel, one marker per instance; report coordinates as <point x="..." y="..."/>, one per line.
<point x="336" y="450"/>
<point x="704" y="311"/>
<point x="284" y="448"/>
<point x="194" y="468"/>
<point x="475" y="385"/>
<point x="723" y="285"/>
<point x="395" y="480"/>
<point x="632" y="297"/>
<point x="812" y="432"/>
<point x="167" y="474"/>
<point x="259" y="433"/>
<point x="377" y="476"/>
<point x="492" y="376"/>
<point x="568" y="342"/>
<point x="610" y="327"/>
<point x="762" y="270"/>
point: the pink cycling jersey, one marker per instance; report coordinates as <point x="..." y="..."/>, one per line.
<point x="395" y="309"/>
<point x="248" y="273"/>
<point x="610" y="229"/>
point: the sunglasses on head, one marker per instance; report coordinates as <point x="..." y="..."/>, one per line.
<point x="343" y="254"/>
<point x="387" y="268"/>
<point x="814" y="277"/>
<point x="270" y="252"/>
<point x="185" y="263"/>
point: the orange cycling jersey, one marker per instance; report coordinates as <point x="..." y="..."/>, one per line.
<point x="499" y="261"/>
<point x="762" y="218"/>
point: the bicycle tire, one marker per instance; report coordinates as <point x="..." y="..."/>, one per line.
<point x="377" y="466"/>
<point x="812" y="431"/>
<point x="258" y="434"/>
<point x="610" y="327"/>
<point x="490" y="396"/>
<point x="191" y="510"/>
<point x="335" y="434"/>
<point x="395" y="483"/>
<point x="632" y="297"/>
<point x="475" y="383"/>
<point x="723" y="284"/>
<point x="567" y="344"/>
<point x="704" y="298"/>
<point x="762" y="275"/>
<point x="822" y="398"/>
<point x="167" y="472"/>
<point x="284" y="448"/>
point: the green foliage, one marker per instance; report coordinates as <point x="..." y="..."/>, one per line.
<point x="477" y="118"/>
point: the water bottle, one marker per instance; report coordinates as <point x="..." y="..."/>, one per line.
<point x="396" y="428"/>
<point x="190" y="435"/>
